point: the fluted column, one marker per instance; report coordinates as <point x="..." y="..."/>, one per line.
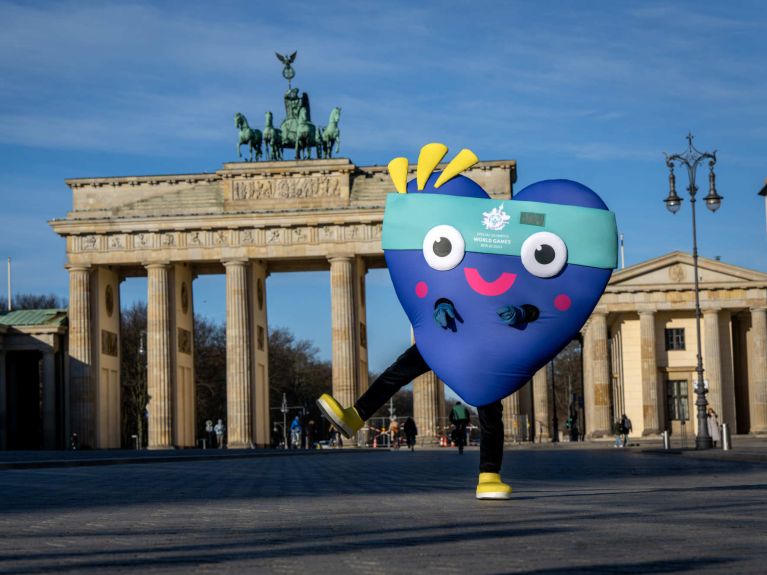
<point x="343" y="325"/>
<point x="649" y="369"/>
<point x="597" y="386"/>
<point x="511" y="425"/>
<point x="542" y="428"/>
<point x="49" y="399"/>
<point x="712" y="359"/>
<point x="239" y="400"/>
<point x="757" y="368"/>
<point x="159" y="367"/>
<point x="426" y="399"/>
<point x="82" y="392"/>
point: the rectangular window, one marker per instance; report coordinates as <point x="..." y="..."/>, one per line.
<point x="676" y="398"/>
<point x="675" y="338"/>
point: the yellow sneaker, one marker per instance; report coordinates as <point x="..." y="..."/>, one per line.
<point x="490" y="486"/>
<point x="347" y="420"/>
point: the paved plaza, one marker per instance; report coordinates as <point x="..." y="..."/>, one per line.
<point x="593" y="510"/>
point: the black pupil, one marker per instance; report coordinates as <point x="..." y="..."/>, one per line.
<point x="442" y="247"/>
<point x="544" y="254"/>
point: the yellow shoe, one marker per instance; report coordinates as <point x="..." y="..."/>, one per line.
<point x="490" y="486"/>
<point x="347" y="420"/>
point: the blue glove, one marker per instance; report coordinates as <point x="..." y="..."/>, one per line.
<point x="513" y="315"/>
<point x="443" y="311"/>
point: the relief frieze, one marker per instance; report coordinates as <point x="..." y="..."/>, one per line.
<point x="286" y="188"/>
<point x="308" y="234"/>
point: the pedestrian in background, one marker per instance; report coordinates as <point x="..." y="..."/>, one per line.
<point x="295" y="433"/>
<point x="210" y="435"/>
<point x="310" y="434"/>
<point x="410" y="432"/>
<point x="220" y="429"/>
<point x="713" y="425"/>
<point x="625" y="428"/>
<point x="394" y="433"/>
<point x="459" y="417"/>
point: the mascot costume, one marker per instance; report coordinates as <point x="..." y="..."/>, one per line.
<point x="494" y="289"/>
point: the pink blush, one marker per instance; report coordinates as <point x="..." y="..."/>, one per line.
<point x="562" y="302"/>
<point x="421" y="289"/>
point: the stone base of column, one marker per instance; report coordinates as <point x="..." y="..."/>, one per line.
<point x="240" y="446"/>
<point x="651" y="433"/>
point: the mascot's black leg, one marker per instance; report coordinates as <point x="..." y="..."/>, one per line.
<point x="491" y="437"/>
<point x="405" y="369"/>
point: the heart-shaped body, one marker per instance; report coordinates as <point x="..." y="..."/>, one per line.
<point x="497" y="260"/>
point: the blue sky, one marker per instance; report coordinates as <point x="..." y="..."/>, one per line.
<point x="591" y="91"/>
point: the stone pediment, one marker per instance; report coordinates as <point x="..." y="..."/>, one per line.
<point x="677" y="268"/>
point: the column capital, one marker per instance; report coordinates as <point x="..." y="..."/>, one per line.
<point x="236" y="262"/>
<point x="156" y="265"/>
<point x="340" y="258"/>
<point x="647" y="311"/>
<point x="78" y="267"/>
<point x="711" y="310"/>
<point x="758" y="308"/>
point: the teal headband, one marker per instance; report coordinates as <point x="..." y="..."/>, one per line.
<point x="494" y="226"/>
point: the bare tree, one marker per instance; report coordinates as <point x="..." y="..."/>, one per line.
<point x="33" y="301"/>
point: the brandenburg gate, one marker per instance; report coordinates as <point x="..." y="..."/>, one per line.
<point x="245" y="220"/>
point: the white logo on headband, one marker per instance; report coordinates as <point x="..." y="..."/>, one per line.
<point x="496" y="219"/>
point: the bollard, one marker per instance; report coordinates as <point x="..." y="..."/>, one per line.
<point x="135" y="441"/>
<point x="666" y="440"/>
<point x="726" y="437"/>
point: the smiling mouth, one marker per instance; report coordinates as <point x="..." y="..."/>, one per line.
<point x="499" y="286"/>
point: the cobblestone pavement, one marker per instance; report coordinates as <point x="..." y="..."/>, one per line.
<point x="574" y="510"/>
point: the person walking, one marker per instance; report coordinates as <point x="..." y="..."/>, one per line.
<point x="295" y="433"/>
<point x="713" y="425"/>
<point x="220" y="429"/>
<point x="459" y="417"/>
<point x="410" y="432"/>
<point x="625" y="428"/>
<point x="210" y="434"/>
<point x="394" y="433"/>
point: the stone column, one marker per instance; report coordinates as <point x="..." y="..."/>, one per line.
<point x="541" y="412"/>
<point x="343" y="326"/>
<point x="159" y="365"/>
<point x="239" y="399"/>
<point x="712" y="359"/>
<point x="49" y="399"/>
<point x="82" y="396"/>
<point x="649" y="367"/>
<point x="3" y="406"/>
<point x="426" y="401"/>
<point x="259" y="343"/>
<point x="512" y="426"/>
<point x="757" y="368"/>
<point x="597" y="385"/>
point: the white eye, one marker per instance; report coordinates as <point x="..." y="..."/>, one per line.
<point x="443" y="247"/>
<point x="544" y="254"/>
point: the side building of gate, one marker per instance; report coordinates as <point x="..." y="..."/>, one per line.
<point x="245" y="221"/>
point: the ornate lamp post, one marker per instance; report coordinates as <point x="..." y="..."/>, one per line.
<point x="690" y="159"/>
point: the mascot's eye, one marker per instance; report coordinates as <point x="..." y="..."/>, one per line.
<point x="443" y="247"/>
<point x="544" y="254"/>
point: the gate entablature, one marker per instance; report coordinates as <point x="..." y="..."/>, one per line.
<point x="265" y="210"/>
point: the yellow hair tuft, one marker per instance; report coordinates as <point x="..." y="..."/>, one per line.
<point x="429" y="158"/>
<point x="398" y="174"/>
<point x="462" y="161"/>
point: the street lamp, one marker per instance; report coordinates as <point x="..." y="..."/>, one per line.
<point x="554" y="420"/>
<point x="691" y="158"/>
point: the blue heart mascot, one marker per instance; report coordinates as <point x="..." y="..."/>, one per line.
<point x="494" y="289"/>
